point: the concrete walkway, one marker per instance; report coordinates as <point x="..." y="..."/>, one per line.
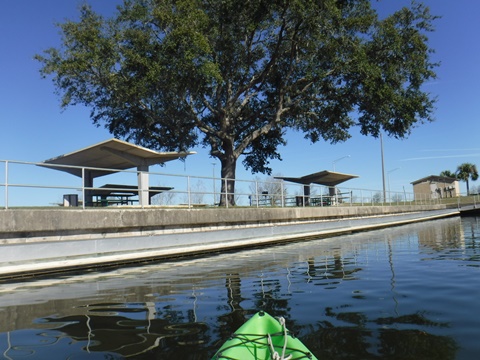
<point x="47" y="241"/>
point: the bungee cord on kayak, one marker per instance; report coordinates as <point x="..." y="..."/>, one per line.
<point x="275" y="355"/>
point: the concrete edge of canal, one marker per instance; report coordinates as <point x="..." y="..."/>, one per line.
<point x="41" y="241"/>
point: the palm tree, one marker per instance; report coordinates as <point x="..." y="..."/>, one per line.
<point x="467" y="171"/>
<point x="448" y="173"/>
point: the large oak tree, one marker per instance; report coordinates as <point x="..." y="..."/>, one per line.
<point x="234" y="75"/>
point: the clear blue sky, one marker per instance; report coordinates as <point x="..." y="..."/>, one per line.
<point x="35" y="129"/>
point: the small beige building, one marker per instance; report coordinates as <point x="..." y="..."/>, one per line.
<point x="436" y="187"/>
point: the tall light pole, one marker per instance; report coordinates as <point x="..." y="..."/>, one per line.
<point x="388" y="179"/>
<point x="383" y="168"/>
<point x="337" y="160"/>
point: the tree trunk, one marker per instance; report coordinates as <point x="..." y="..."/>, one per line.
<point x="229" y="164"/>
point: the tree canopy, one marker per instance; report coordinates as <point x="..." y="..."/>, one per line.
<point x="234" y="76"/>
<point x="448" y="173"/>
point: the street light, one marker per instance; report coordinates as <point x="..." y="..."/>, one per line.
<point x="334" y="161"/>
<point x="388" y="179"/>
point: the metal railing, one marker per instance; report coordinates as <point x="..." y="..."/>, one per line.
<point x="29" y="184"/>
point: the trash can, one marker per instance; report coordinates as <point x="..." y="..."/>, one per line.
<point x="70" y="200"/>
<point x="299" y="200"/>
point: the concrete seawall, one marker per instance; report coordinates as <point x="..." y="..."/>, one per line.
<point x="43" y="241"/>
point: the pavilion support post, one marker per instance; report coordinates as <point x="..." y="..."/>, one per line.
<point x="143" y="185"/>
<point x="87" y="183"/>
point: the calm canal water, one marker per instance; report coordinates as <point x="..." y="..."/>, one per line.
<point x="409" y="292"/>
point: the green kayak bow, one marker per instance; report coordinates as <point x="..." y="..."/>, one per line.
<point x="263" y="338"/>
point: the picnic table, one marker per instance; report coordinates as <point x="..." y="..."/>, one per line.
<point x="117" y="194"/>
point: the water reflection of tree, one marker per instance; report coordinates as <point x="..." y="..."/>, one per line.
<point x="354" y="340"/>
<point x="133" y="337"/>
<point x="400" y="337"/>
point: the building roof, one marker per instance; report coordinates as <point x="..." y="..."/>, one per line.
<point x="110" y="156"/>
<point x="326" y="178"/>
<point x="435" y="178"/>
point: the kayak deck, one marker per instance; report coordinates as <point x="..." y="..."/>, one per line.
<point x="262" y="338"/>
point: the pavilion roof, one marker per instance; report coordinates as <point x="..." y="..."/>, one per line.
<point x="326" y="178"/>
<point x="110" y="156"/>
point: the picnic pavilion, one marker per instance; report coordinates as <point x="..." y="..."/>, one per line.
<point x="111" y="156"/>
<point x="327" y="178"/>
